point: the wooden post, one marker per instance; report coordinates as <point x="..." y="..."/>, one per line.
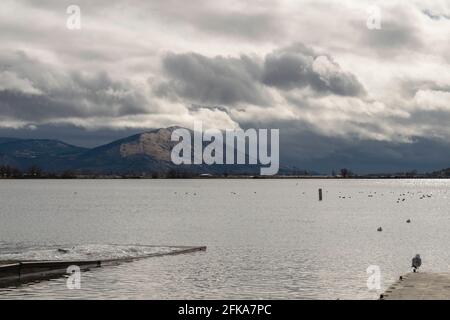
<point x="320" y="194"/>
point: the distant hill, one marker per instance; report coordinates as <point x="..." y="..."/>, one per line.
<point x="4" y="140"/>
<point x="149" y="153"/>
<point x="144" y="153"/>
<point x="52" y="155"/>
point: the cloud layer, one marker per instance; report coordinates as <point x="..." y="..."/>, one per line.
<point x="308" y="67"/>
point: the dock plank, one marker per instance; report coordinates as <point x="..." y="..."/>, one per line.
<point x="24" y="271"/>
<point x="420" y="286"/>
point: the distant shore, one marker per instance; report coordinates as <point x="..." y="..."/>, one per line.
<point x="35" y="172"/>
<point x="316" y="177"/>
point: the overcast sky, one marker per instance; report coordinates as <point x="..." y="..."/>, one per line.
<point x="310" y="68"/>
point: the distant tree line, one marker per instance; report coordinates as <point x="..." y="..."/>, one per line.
<point x="33" y="172"/>
<point x="10" y="172"/>
<point x="346" y="173"/>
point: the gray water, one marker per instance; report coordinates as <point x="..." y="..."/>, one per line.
<point x="267" y="239"/>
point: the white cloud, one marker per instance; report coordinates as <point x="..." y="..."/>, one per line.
<point x="432" y="100"/>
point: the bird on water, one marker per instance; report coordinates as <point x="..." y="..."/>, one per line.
<point x="416" y="262"/>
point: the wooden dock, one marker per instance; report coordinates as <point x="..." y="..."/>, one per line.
<point x="420" y="286"/>
<point x="18" y="272"/>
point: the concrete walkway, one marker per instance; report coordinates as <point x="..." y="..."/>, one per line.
<point x="420" y="286"/>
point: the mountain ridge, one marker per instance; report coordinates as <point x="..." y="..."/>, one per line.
<point x="148" y="153"/>
<point x="143" y="153"/>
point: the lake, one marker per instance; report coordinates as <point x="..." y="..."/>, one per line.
<point x="266" y="238"/>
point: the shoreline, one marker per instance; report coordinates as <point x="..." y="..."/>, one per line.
<point x="112" y="177"/>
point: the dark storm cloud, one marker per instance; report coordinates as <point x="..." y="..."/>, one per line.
<point x="29" y="107"/>
<point x="229" y="81"/>
<point x="303" y="148"/>
<point x="431" y="123"/>
<point x="218" y="80"/>
<point x="57" y="95"/>
<point x="293" y="67"/>
<point x="289" y="69"/>
<point x="71" y="134"/>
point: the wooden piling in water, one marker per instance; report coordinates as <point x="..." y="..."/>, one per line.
<point x="320" y="194"/>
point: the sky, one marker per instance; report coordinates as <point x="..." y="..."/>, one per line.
<point x="341" y="91"/>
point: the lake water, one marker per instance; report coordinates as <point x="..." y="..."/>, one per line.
<point x="266" y="239"/>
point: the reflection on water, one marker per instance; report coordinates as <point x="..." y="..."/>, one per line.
<point x="267" y="239"/>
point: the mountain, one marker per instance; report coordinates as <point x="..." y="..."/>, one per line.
<point x="144" y="153"/>
<point x="51" y="155"/>
<point x="4" y="140"/>
<point x="147" y="152"/>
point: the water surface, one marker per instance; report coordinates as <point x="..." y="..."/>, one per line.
<point x="267" y="239"/>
